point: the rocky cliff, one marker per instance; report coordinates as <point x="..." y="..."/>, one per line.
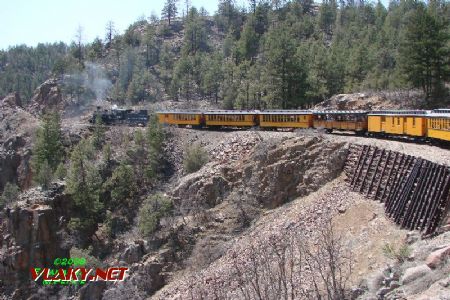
<point x="47" y="97"/>
<point x="17" y="127"/>
<point x="32" y="236"/>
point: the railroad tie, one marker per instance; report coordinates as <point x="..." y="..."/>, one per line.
<point x="388" y="177"/>
<point x="435" y="200"/>
<point x="359" y="165"/>
<point x="375" y="171"/>
<point x="388" y="157"/>
<point x="424" y="197"/>
<point x="440" y="211"/>
<point x="400" y="208"/>
<point x="369" y="165"/>
<point x="391" y="181"/>
<point x="399" y="188"/>
<point x="412" y="202"/>
<point x="418" y="194"/>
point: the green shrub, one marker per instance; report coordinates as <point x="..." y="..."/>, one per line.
<point x="98" y="136"/>
<point x="121" y="184"/>
<point x="195" y="157"/>
<point x="91" y="261"/>
<point x="44" y="176"/>
<point x="401" y="254"/>
<point x="153" y="209"/>
<point x="61" y="171"/>
<point x="10" y="194"/>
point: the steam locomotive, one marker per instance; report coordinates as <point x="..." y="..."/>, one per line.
<point x="117" y="116"/>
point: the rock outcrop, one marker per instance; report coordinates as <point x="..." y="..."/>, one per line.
<point x="438" y="257"/>
<point x="16" y="131"/>
<point x="371" y="101"/>
<point x="414" y="273"/>
<point x="12" y="100"/>
<point x="271" y="175"/>
<point x="33" y="236"/>
<point x="47" y="97"/>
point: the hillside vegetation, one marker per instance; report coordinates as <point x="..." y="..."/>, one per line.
<point x="270" y="54"/>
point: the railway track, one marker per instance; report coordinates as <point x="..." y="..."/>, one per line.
<point x="415" y="191"/>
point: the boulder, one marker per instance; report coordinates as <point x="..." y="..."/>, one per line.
<point x="394" y="284"/>
<point x="46" y="97"/>
<point x="383" y="291"/>
<point x="12" y="100"/>
<point x="438" y="257"/>
<point x="414" y="273"/>
<point x="133" y="253"/>
<point x="412" y="237"/>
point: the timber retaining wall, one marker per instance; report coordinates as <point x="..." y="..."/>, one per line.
<point x="415" y="191"/>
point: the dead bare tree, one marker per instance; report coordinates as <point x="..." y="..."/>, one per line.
<point x="283" y="266"/>
<point x="330" y="263"/>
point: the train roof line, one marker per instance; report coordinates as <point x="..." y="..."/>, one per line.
<point x="438" y="113"/>
<point x="192" y="111"/>
<point x="285" y="111"/>
<point x="230" y="112"/>
<point x="339" y="112"/>
<point x="398" y="112"/>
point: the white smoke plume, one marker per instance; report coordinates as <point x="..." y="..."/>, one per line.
<point x="96" y="80"/>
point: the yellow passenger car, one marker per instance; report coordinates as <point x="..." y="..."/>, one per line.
<point x="438" y="123"/>
<point x="180" y="118"/>
<point x="351" y="120"/>
<point x="230" y="118"/>
<point x="286" y="119"/>
<point x="398" y="122"/>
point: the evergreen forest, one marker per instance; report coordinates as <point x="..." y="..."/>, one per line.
<point x="266" y="54"/>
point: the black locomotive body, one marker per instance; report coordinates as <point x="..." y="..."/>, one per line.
<point x="117" y="116"/>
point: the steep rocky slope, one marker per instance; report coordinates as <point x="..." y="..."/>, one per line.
<point x="32" y="236"/>
<point x="17" y="128"/>
<point x="362" y="226"/>
<point x="221" y="200"/>
<point x="361" y="223"/>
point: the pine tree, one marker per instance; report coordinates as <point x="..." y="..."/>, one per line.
<point x="155" y="140"/>
<point x="284" y="76"/>
<point x="152" y="46"/>
<point x="122" y="186"/>
<point x="48" y="150"/>
<point x="424" y="53"/>
<point x="196" y="36"/>
<point x="212" y="75"/>
<point x="169" y="10"/>
<point x="84" y="185"/>
<point x="249" y="42"/>
<point x="138" y="155"/>
<point x="99" y="133"/>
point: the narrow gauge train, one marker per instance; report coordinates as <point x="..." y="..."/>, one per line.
<point x="117" y="116"/>
<point x="419" y="124"/>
